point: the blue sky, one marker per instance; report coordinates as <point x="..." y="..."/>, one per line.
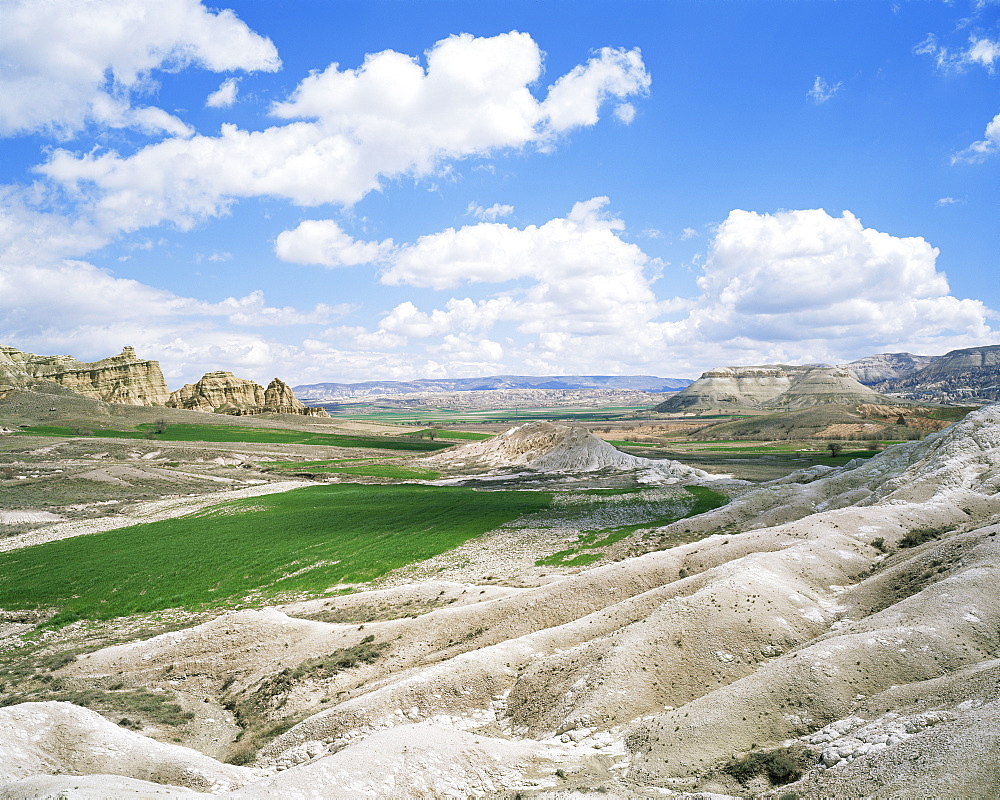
<point x="344" y="191"/>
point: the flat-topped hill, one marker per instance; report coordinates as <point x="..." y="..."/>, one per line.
<point x="771" y="386"/>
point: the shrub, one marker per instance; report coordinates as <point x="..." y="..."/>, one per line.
<point x="780" y="766"/>
<point x="920" y="535"/>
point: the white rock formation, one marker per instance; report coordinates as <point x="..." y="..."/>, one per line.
<point x="788" y="622"/>
<point x="552" y="448"/>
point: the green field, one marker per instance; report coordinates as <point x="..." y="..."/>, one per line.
<point x="238" y="433"/>
<point x="460" y="435"/>
<point x="246" y="551"/>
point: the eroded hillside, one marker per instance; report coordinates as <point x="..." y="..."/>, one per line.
<point x="832" y="633"/>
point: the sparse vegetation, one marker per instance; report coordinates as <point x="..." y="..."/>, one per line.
<point x="704" y="499"/>
<point x="920" y="535"/>
<point x="255" y="710"/>
<point x="780" y="766"/>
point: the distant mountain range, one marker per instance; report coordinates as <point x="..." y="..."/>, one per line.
<point x="326" y="392"/>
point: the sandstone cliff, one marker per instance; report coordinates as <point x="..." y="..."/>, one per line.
<point x="124" y="379"/>
<point x="771" y="386"/>
<point x="223" y="393"/>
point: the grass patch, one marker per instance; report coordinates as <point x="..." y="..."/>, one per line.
<point x="239" y="433"/>
<point x="242" y="552"/>
<point x="386" y="471"/>
<point x="358" y="466"/>
<point x="470" y="436"/>
<point x="618" y="443"/>
<point x="704" y="499"/>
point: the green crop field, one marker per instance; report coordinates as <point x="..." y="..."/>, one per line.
<point x="243" y="552"/>
<point x="237" y="433"/>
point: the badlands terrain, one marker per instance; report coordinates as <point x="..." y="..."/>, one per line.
<point x="829" y="633"/>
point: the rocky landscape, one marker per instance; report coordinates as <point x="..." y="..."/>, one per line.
<point x="961" y="376"/>
<point x="831" y="633"/>
<point x="126" y="379"/>
<point x="224" y="393"/>
<point x="773" y="387"/>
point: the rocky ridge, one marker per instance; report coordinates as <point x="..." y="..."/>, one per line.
<point x="223" y="393"/>
<point x="887" y="366"/>
<point x="970" y="375"/>
<point x="124" y="379"/>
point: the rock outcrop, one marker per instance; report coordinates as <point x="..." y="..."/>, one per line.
<point x="773" y="387"/>
<point x="552" y="448"/>
<point x="970" y="375"/>
<point x="223" y="393"/>
<point x="125" y="379"/>
<point x="887" y="366"/>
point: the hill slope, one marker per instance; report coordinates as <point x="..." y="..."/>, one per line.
<point x="847" y="611"/>
<point x="770" y="387"/>
<point x="968" y="375"/>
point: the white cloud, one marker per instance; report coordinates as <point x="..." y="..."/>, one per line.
<point x="980" y="51"/>
<point x="822" y="91"/>
<point x="947" y="201"/>
<point x="352" y="128"/>
<point x="625" y="113"/>
<point x="323" y="241"/>
<point x="983" y="52"/>
<point x="688" y="233"/>
<point x="984" y="148"/>
<point x="826" y="286"/>
<point x="570" y="295"/>
<point x="491" y="214"/>
<point x="64" y="63"/>
<point x="225" y="95"/>
<point x="576" y="98"/>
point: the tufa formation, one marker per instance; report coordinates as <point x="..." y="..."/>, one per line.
<point x="128" y="380"/>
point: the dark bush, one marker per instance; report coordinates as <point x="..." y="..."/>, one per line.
<point x="780" y="766"/>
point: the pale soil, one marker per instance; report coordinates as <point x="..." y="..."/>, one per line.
<point x="796" y="615"/>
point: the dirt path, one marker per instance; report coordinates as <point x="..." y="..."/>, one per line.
<point x="143" y="512"/>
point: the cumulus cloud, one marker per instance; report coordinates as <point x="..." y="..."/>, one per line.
<point x="64" y="63"/>
<point x="822" y="91"/>
<point x="225" y="95"/>
<point x="824" y="284"/>
<point x="688" y="233"/>
<point x="491" y="214"/>
<point x="323" y="241"/>
<point x="350" y="129"/>
<point x="572" y="295"/>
